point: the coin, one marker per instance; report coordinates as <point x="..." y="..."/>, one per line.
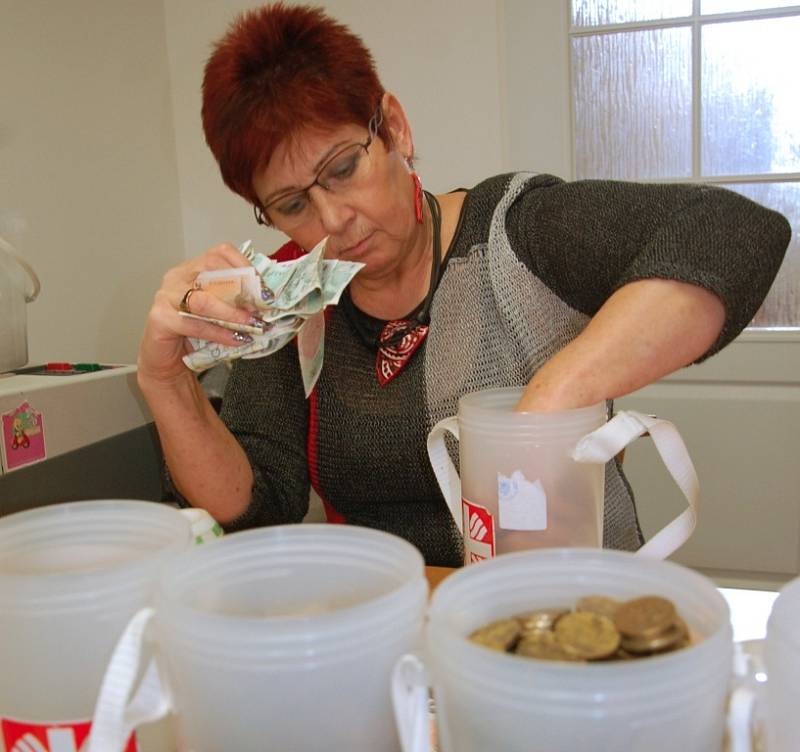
<point x="591" y="631"/>
<point x="500" y="635"/>
<point x="542" y="619"/>
<point x="666" y="640"/>
<point x="587" y="635"/>
<point x="543" y="644"/>
<point x="598" y="604"/>
<point x="645" y="617"/>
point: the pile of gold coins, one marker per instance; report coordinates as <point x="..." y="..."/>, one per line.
<point x="598" y="629"/>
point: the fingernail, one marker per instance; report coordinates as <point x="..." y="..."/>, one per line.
<point x="267" y="296"/>
<point x="245" y="339"/>
<point x="260" y="323"/>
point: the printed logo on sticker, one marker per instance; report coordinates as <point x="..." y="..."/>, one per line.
<point x="23" y="736"/>
<point x="478" y="531"/>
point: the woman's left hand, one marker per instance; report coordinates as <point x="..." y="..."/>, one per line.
<point x="644" y="331"/>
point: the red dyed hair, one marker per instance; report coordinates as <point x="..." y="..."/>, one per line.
<point x="277" y="69"/>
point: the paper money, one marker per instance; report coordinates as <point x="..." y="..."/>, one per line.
<point x="229" y="325"/>
<point x="336" y="275"/>
<point x="292" y="281"/>
<point x="290" y="295"/>
<point x="237" y="286"/>
<point x="207" y="354"/>
<point x="311" y="349"/>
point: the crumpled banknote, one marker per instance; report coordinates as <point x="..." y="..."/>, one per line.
<point x="289" y="295"/>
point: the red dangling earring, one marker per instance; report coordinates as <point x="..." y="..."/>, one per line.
<point x="417" y="197"/>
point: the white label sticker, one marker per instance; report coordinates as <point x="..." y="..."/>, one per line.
<point x="522" y="504"/>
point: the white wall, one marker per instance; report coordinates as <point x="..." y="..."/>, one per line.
<point x="536" y="82"/>
<point x="440" y="58"/>
<point x="88" y="177"/>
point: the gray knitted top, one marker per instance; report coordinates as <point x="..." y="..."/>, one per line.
<point x="532" y="260"/>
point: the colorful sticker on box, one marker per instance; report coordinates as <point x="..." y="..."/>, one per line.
<point x="22" y="437"/>
<point x="478" y="531"/>
<point x="24" y="736"/>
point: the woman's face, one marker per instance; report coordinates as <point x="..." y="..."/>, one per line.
<point x="370" y="219"/>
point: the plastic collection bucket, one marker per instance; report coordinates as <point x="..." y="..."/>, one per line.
<point x="781" y="698"/>
<point x="71" y="577"/>
<point x="520" y="487"/>
<point x="284" y="638"/>
<point x="531" y="480"/>
<point x="487" y="700"/>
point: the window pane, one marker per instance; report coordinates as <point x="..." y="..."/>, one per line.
<point x="632" y="94"/>
<point x="750" y="103"/>
<point x="600" y="12"/>
<point x="731" y="6"/>
<point x="782" y="306"/>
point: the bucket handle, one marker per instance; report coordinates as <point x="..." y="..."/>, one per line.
<point x="410" y="702"/>
<point x="443" y="467"/>
<point x="627" y="425"/>
<point x="599" y="447"/>
<point x="740" y="720"/>
<point x="115" y="717"/>
<point x="17" y="256"/>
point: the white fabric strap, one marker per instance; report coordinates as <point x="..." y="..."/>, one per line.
<point x="740" y="720"/>
<point x="443" y="467"/>
<point x="115" y="718"/>
<point x="608" y="440"/>
<point x="410" y="702"/>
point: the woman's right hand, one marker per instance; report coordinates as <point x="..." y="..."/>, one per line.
<point x="164" y="340"/>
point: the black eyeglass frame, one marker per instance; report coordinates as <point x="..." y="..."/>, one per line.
<point x="373" y="126"/>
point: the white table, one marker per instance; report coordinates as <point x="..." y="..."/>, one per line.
<point x="750" y="610"/>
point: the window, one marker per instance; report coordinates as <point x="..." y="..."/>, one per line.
<point x="695" y="90"/>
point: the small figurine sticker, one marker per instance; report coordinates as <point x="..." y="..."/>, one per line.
<point x="22" y="437"/>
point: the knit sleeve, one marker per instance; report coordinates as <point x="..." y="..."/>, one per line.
<point x="265" y="409"/>
<point x="587" y="239"/>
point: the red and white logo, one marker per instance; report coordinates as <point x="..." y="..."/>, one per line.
<point x="21" y="736"/>
<point x="478" y="531"/>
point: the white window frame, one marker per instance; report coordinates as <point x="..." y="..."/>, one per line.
<point x="695" y="21"/>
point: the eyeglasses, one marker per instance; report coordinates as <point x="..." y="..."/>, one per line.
<point x="344" y="171"/>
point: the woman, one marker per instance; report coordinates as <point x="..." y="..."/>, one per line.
<point x="582" y="291"/>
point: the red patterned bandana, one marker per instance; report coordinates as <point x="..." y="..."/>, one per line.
<point x="396" y="344"/>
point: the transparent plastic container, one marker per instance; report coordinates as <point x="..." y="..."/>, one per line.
<point x="14" y="294"/>
<point x="71" y="577"/>
<point x="284" y="638"/>
<point x="780" y="702"/>
<point x="561" y="500"/>
<point x="494" y="701"/>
